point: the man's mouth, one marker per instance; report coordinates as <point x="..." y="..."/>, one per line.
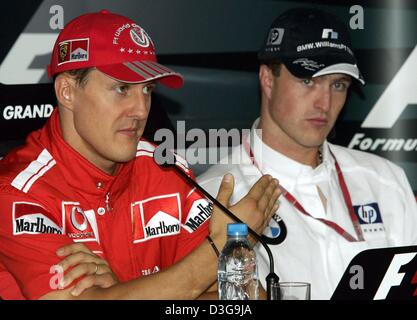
<point x="318" y="121"/>
<point x="130" y="132"/>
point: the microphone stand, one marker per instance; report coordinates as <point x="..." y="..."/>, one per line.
<point x="272" y="278"/>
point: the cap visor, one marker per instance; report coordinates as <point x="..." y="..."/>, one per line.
<point x="143" y="71"/>
<point x="315" y="66"/>
<point x="345" y="68"/>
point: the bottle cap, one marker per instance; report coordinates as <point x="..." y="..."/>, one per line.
<point x="237" y="229"/>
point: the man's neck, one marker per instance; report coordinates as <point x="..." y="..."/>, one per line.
<point x="311" y="156"/>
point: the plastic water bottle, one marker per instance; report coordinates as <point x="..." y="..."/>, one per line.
<point x="237" y="271"/>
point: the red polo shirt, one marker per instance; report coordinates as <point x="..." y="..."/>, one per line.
<point x="141" y="220"/>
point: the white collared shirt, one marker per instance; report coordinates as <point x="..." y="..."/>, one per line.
<point x="313" y="252"/>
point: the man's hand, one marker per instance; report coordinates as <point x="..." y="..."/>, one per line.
<point x="255" y="209"/>
<point x="85" y="263"/>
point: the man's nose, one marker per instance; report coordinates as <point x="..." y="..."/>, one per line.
<point x="140" y="105"/>
<point x="324" y="98"/>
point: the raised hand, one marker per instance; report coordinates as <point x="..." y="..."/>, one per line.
<point x="255" y="209"/>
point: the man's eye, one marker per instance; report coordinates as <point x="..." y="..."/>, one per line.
<point x="307" y="82"/>
<point x="122" y="89"/>
<point x="148" y="89"/>
<point x="340" y="86"/>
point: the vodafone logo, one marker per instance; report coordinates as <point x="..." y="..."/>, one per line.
<point x="78" y="224"/>
<point x="76" y="215"/>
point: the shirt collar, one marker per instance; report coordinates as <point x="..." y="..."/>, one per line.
<point x="288" y="171"/>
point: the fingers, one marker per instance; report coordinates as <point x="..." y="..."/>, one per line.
<point x="268" y="203"/>
<point x="259" y="187"/>
<point x="105" y="280"/>
<point x="274" y="202"/>
<point x="267" y="195"/>
<point x="80" y="258"/>
<point x="74" y="248"/>
<point x="84" y="263"/>
<point x="84" y="269"/>
<point x="226" y="189"/>
<point x="258" y="206"/>
<point x="272" y="208"/>
<point x="84" y="284"/>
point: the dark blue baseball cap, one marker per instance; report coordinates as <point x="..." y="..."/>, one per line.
<point x="310" y="43"/>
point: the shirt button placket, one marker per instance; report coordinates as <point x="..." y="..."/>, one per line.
<point x="101" y="210"/>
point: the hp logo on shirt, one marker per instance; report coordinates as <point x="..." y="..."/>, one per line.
<point x="368" y="213"/>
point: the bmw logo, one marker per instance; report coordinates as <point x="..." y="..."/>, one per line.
<point x="276" y="232"/>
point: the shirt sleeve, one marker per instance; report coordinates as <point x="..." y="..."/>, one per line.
<point x="196" y="213"/>
<point x="30" y="234"/>
<point x="9" y="290"/>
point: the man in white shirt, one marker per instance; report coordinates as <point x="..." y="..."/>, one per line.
<point x="337" y="202"/>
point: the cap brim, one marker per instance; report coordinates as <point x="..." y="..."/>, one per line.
<point x="344" y="68"/>
<point x="315" y="66"/>
<point x="143" y="71"/>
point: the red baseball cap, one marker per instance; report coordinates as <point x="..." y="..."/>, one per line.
<point x="113" y="44"/>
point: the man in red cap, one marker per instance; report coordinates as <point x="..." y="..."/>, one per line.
<point x="88" y="177"/>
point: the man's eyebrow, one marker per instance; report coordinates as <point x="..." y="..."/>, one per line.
<point x="343" y="78"/>
<point x="120" y="83"/>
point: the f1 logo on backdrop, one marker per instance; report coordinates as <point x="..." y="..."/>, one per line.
<point x="156" y="217"/>
<point x="400" y="93"/>
<point x="382" y="132"/>
<point x="393" y="277"/>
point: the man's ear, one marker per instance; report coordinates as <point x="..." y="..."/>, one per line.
<point x="65" y="87"/>
<point x="266" y="79"/>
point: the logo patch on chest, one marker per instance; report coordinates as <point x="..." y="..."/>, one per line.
<point x="369" y="217"/>
<point x="79" y="225"/>
<point x="155" y="217"/>
<point x="32" y="218"/>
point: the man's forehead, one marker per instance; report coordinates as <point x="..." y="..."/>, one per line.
<point x="116" y="81"/>
<point x="331" y="76"/>
<point x="335" y="76"/>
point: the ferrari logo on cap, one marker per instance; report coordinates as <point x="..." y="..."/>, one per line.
<point x="63" y="51"/>
<point x="75" y="50"/>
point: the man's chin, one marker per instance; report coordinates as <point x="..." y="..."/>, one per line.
<point x="124" y="157"/>
<point x="313" y="144"/>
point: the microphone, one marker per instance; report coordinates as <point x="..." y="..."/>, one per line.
<point x="272" y="278"/>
